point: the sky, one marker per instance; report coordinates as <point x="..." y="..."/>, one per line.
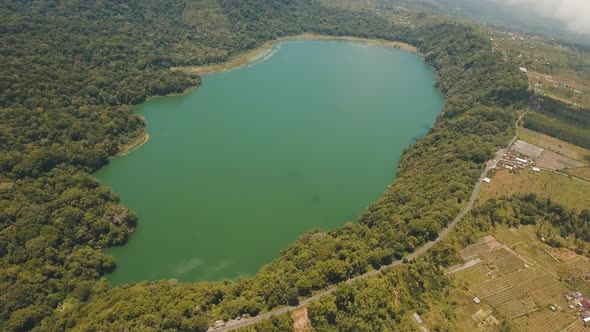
<point x="573" y="14"/>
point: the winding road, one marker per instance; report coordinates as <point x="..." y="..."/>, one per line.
<point x="236" y="324"/>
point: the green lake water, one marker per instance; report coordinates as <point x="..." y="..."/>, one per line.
<point x="240" y="167"/>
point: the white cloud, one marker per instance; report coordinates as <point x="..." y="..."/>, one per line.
<point x="574" y="14"/>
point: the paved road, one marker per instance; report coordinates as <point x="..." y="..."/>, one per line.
<point x="236" y="324"/>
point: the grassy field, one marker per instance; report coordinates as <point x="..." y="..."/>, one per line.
<point x="554" y="144"/>
<point x="520" y="278"/>
<point x="560" y="188"/>
<point x="583" y="172"/>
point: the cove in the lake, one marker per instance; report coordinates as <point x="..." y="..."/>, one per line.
<point x="240" y="167"/>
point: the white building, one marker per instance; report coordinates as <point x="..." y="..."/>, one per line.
<point x="417" y="318"/>
<point x="523" y="69"/>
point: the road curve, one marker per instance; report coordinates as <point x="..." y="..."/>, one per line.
<point x="236" y="324"/>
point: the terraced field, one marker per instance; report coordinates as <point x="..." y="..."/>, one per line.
<point x="577" y="326"/>
<point x="524" y="280"/>
<point x="583" y="172"/>
<point x="545" y="321"/>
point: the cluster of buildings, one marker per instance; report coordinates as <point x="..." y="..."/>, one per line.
<point x="518" y="157"/>
<point x="579" y="302"/>
<point x="512" y="160"/>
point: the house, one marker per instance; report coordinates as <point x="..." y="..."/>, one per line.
<point x="487" y="180"/>
<point x="584" y="303"/>
<point x="520" y="160"/>
<point x="571" y="295"/>
<point x="536" y="169"/>
<point x="523" y="69"/>
<point x="417" y="318"/>
<point x="476" y="300"/>
<point x="509" y="167"/>
<point x="585" y="315"/>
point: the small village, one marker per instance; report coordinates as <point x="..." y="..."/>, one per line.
<point x="578" y="302"/>
<point x="520" y="156"/>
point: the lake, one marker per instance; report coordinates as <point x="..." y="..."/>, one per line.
<point x="240" y="167"/>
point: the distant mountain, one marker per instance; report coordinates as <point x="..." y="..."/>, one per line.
<point x="519" y="18"/>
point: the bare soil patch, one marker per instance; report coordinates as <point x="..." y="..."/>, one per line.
<point x="301" y="322"/>
<point x="552" y="160"/>
<point x="528" y="149"/>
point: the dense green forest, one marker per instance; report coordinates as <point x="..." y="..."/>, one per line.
<point x="70" y="71"/>
<point x="561" y="120"/>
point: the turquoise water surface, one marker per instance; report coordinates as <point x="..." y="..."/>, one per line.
<point x="240" y="167"/>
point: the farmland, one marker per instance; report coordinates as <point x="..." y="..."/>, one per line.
<point x="523" y="281"/>
<point x="554" y="144"/>
<point x="562" y="87"/>
<point x="583" y="172"/>
<point x="556" y="161"/>
<point x="557" y="146"/>
<point x="560" y="188"/>
<point x="556" y="70"/>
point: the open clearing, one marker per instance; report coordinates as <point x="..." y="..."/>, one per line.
<point x="561" y="189"/>
<point x="301" y="321"/>
<point x="527" y="149"/>
<point x="552" y="160"/>
<point x="520" y="279"/>
<point x="554" y="144"/>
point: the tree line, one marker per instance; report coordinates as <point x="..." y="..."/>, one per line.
<point x="558" y="119"/>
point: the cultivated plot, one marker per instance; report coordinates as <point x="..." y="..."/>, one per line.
<point x="524" y="281"/>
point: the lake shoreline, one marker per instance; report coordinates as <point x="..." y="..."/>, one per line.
<point x="134" y="144"/>
<point x="265" y="49"/>
<point x="249" y="57"/>
<point x="246" y="155"/>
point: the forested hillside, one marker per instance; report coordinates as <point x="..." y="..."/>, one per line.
<point x="70" y="72"/>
